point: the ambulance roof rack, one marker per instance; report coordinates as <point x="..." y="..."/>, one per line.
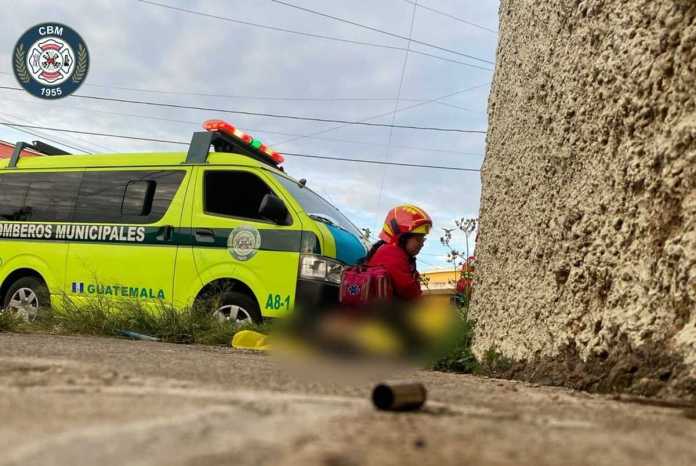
<point x="226" y="138"/>
<point x="37" y="146"/>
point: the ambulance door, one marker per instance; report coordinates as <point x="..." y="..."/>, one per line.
<point x="232" y="240"/>
<point x="122" y="239"/>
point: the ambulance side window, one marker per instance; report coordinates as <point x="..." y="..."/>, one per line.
<point x="126" y="196"/>
<point x="234" y="194"/>
<point x="38" y="197"/>
<point x="13" y="191"/>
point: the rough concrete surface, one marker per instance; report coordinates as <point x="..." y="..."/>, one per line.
<point x="97" y="401"/>
<point x="587" y="251"/>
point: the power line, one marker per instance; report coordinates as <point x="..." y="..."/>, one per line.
<point x="249" y="97"/>
<point x="426" y="262"/>
<point x="380" y="115"/>
<point x="381" y="162"/>
<point x="269" y="115"/>
<point x="322" y="157"/>
<point x="59" y="141"/>
<point x="255" y="130"/>
<point x="440" y="12"/>
<point x="90" y="148"/>
<point x="307" y="34"/>
<point x="381" y="31"/>
<point x="464" y="109"/>
<point x="252" y="97"/>
<point x="92" y="133"/>
<point x="39" y="135"/>
<point x="440" y="256"/>
<point x="396" y="107"/>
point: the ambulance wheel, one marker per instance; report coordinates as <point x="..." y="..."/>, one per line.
<point x="26" y="297"/>
<point x="236" y="307"/>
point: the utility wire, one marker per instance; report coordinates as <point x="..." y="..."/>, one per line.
<point x="250" y="130"/>
<point x="464" y="109"/>
<point x="7" y="122"/>
<point x="253" y="97"/>
<point x="166" y="141"/>
<point x="440" y="12"/>
<point x="247" y="97"/>
<point x="396" y="107"/>
<point x="90" y="148"/>
<point x="381" y="31"/>
<point x="426" y="262"/>
<point x="308" y="34"/>
<point x="440" y="256"/>
<point x="92" y="133"/>
<point x="269" y="115"/>
<point x="381" y="162"/>
<point x="380" y="115"/>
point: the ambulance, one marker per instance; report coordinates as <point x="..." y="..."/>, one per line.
<point x="170" y="228"/>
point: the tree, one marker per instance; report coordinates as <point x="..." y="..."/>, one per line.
<point x="463" y="262"/>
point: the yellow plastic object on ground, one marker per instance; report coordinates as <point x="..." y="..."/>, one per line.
<point x="251" y="340"/>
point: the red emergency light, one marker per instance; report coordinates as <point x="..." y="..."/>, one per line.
<point x="228" y="129"/>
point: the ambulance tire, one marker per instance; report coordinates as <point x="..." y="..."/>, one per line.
<point x="244" y="306"/>
<point x="27" y="296"/>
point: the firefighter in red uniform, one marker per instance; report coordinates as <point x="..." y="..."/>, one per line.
<point x="401" y="239"/>
<point x="366" y="327"/>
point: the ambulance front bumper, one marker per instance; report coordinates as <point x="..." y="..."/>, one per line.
<point x="314" y="296"/>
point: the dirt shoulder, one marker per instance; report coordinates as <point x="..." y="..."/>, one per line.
<point x="86" y="401"/>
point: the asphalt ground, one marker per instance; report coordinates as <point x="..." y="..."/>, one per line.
<point x="88" y="401"/>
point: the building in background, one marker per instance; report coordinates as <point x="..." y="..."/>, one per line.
<point x="6" y="150"/>
<point x="440" y="283"/>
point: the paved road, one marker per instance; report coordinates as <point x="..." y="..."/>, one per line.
<point x="97" y="401"/>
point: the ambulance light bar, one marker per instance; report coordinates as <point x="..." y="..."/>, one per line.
<point x="228" y="129"/>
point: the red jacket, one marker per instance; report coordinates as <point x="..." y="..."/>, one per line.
<point x="401" y="269"/>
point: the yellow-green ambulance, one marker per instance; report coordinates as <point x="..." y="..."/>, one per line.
<point x="171" y="228"/>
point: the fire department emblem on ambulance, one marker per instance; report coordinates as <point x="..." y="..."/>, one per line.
<point x="243" y="242"/>
<point x="50" y="60"/>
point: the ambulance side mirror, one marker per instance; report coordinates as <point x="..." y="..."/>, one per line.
<point x="273" y="208"/>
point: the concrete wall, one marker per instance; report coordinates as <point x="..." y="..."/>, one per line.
<point x="587" y="251"/>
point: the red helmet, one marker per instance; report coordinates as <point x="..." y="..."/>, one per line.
<point x="405" y="219"/>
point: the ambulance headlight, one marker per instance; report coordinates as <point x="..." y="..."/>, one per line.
<point x="320" y="268"/>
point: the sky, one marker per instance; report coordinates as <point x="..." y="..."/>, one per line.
<point x="142" y="51"/>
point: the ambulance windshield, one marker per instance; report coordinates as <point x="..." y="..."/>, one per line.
<point x="317" y="207"/>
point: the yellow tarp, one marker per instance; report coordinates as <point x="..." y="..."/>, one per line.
<point x="250" y="340"/>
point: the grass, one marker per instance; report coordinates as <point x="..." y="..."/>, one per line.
<point x="495" y="364"/>
<point x="10" y="322"/>
<point x="458" y="356"/>
<point x="109" y="318"/>
<point x="104" y="317"/>
<point x="196" y="326"/>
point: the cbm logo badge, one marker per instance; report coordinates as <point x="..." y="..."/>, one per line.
<point x="50" y="61"/>
<point x="243" y="242"/>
